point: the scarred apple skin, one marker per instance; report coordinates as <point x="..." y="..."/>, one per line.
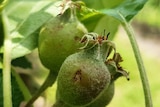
<point x="82" y="78"/>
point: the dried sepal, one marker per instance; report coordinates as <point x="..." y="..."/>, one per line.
<point x="116" y="69"/>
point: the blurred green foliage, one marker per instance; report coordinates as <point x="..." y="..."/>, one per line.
<point x="150" y="14"/>
<point x="127" y="93"/>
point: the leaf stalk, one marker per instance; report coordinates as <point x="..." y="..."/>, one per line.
<point x="142" y="71"/>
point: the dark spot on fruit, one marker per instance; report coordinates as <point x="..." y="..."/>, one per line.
<point x="78" y="75"/>
<point x="76" y="38"/>
<point x="96" y="69"/>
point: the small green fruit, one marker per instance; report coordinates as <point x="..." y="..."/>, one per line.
<point x="58" y="39"/>
<point x="82" y="78"/>
<point x="101" y="101"/>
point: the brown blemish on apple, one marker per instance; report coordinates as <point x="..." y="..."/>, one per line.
<point x="78" y="75"/>
<point x="76" y="38"/>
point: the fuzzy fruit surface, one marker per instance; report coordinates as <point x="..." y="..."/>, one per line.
<point x="82" y="78"/>
<point x="104" y="98"/>
<point x="101" y="101"/>
<point x="58" y="39"/>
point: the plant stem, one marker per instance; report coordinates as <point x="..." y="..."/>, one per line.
<point x="7" y="92"/>
<point x="142" y="71"/>
<point x="48" y="82"/>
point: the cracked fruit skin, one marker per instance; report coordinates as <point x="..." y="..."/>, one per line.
<point x="58" y="39"/>
<point x="81" y="79"/>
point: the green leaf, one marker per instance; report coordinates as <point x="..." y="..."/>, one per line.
<point x="24" y="46"/>
<point x="21" y="62"/>
<point x="96" y="21"/>
<point x="102" y="4"/>
<point x="33" y="22"/>
<point x="109" y="24"/>
<point x="89" y="17"/>
<point x="26" y="37"/>
<point x="19" y="10"/>
<point x="17" y="96"/>
<point x="129" y="8"/>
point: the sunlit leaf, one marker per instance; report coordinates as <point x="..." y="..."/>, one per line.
<point x="89" y="17"/>
<point x="96" y="21"/>
<point x="102" y="4"/>
<point x="26" y="37"/>
<point x="129" y="8"/>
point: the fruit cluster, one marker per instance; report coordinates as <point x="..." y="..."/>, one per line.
<point x="86" y="78"/>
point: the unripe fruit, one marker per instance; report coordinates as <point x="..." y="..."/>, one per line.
<point x="86" y="78"/>
<point x="58" y="39"/>
<point x="82" y="78"/>
<point x="101" y="101"/>
<point x="105" y="97"/>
